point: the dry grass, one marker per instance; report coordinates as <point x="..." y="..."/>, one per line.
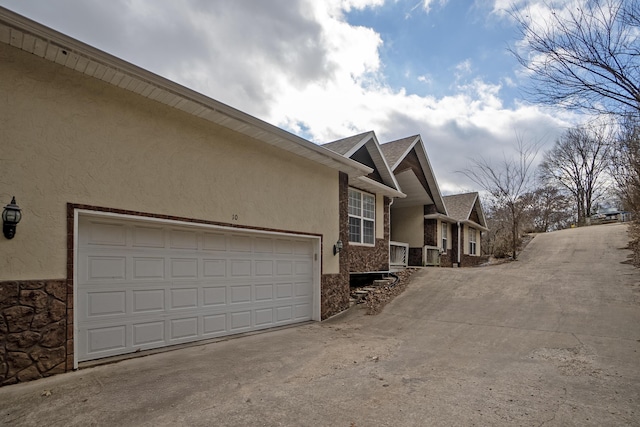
<point x="634" y="244"/>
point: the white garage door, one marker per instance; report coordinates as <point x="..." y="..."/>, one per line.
<point x="143" y="284"/>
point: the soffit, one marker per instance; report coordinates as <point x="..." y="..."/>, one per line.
<point x="413" y="188"/>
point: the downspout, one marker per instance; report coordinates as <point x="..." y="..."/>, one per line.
<point x="389" y="241"/>
<point x="458" y="223"/>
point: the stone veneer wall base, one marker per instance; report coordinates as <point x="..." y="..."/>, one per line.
<point x="33" y="330"/>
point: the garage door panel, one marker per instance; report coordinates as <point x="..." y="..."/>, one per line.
<point x="106" y="268"/>
<point x="184" y="268"/>
<point x="240" y="294"/>
<point x="148" y="237"/>
<point x="264" y="268"/>
<point x="107" y="338"/>
<point x="263" y="245"/>
<point x="284" y="314"/>
<point x="214" y="296"/>
<point x="240" y="320"/>
<point x="149" y="333"/>
<point x="214" y="324"/>
<point x="148" y="268"/>
<point x="214" y="268"/>
<point x="240" y="243"/>
<point x="284" y="290"/>
<point x="109" y="234"/>
<point x="264" y="316"/>
<point x="167" y="284"/>
<point x="181" y="239"/>
<point x="240" y="268"/>
<point x="183" y="328"/>
<point x="101" y="304"/>
<point x="302" y="289"/>
<point x="214" y="242"/>
<point x="303" y="311"/>
<point x="181" y="298"/>
<point x="263" y="292"/>
<point x="284" y="268"/>
<point x="148" y="300"/>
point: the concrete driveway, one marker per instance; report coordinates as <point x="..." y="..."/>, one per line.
<point x="552" y="339"/>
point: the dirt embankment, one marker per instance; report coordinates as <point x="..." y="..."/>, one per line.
<point x="634" y="244"/>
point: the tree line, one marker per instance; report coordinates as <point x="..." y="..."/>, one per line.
<point x="584" y="58"/>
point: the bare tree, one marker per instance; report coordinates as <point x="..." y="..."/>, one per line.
<point x="585" y="57"/>
<point x="625" y="163"/>
<point x="578" y="163"/>
<point x="506" y="183"/>
<point x="547" y="209"/>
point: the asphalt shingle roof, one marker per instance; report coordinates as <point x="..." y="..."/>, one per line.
<point x="342" y="146"/>
<point x="459" y="205"/>
<point x="393" y="150"/>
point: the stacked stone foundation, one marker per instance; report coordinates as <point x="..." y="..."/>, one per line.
<point x="33" y="330"/>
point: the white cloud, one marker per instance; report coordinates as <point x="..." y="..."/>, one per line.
<point x="425" y="78"/>
<point x="426" y="4"/>
<point x="300" y="65"/>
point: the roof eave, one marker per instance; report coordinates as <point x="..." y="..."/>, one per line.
<point x="30" y="36"/>
<point x="378" y="188"/>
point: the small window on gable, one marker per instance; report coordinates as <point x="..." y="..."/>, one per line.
<point x="362" y="217"/>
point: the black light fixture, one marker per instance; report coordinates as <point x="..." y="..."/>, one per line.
<point x="11" y="216"/>
<point x="337" y="247"/>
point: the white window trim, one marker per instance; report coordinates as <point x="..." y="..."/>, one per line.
<point x="444" y="231"/>
<point x="473" y="232"/>
<point x="362" y="218"/>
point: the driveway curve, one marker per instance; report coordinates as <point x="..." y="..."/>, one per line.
<point x="552" y="339"/>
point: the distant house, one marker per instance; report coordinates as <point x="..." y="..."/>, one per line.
<point x="463" y="228"/>
<point x="610" y="215"/>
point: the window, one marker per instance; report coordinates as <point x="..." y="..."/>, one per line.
<point x="362" y="216"/>
<point x="445" y="229"/>
<point x="472" y="241"/>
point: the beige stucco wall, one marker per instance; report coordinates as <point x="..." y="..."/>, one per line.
<point x="407" y="225"/>
<point x="68" y="138"/>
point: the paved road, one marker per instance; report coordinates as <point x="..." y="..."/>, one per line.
<point x="552" y="339"/>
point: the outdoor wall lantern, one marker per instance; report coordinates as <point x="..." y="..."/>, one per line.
<point x="11" y="216"/>
<point x="337" y="247"/>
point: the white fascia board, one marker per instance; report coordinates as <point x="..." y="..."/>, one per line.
<point x="431" y="178"/>
<point x="441" y="217"/>
<point x="386" y="170"/>
<point x="474" y="225"/>
<point x="365" y="137"/>
<point x="378" y="188"/>
<point x="240" y="121"/>
<point x="450" y="220"/>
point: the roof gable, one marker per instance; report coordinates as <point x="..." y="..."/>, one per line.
<point x="402" y="154"/>
<point x="465" y="207"/>
<point x="365" y="148"/>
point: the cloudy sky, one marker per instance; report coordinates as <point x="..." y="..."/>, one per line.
<point x="328" y="69"/>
